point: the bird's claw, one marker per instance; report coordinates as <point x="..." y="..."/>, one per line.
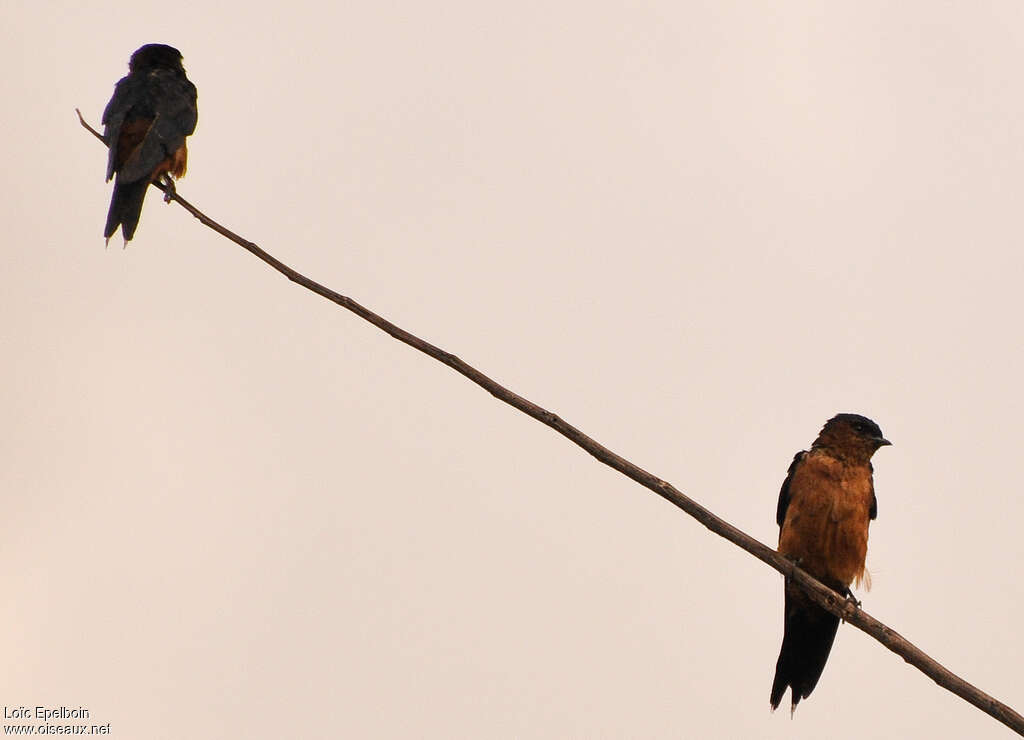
<point x="170" y="191"/>
<point x="795" y="561"/>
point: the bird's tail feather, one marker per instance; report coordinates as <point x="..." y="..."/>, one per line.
<point x="125" y="208"/>
<point x="806" y="643"/>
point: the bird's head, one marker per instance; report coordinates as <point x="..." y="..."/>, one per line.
<point x="155" y="55"/>
<point x="852" y="435"/>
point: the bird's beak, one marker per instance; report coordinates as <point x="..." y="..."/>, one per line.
<point x="882" y="441"/>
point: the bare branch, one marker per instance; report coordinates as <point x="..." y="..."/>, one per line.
<point x="819" y="593"/>
<point x="89" y="128"/>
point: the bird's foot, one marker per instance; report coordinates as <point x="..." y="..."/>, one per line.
<point x="850" y="597"/>
<point x="795" y="561"/>
<point x="171" y="191"/>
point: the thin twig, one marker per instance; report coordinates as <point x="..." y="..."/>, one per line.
<point x="819" y="593"/>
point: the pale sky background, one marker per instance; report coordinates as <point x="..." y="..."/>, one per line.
<point x="696" y="230"/>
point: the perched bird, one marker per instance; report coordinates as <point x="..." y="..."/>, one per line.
<point x="145" y="124"/>
<point x="825" y="506"/>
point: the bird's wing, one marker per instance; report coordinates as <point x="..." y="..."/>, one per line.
<point x="780" y="512"/>
<point x="127" y="94"/>
<point x="873" y="509"/>
<point x="167" y="114"/>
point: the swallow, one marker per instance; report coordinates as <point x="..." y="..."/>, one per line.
<point x="825" y="506"/>
<point x="145" y="124"/>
